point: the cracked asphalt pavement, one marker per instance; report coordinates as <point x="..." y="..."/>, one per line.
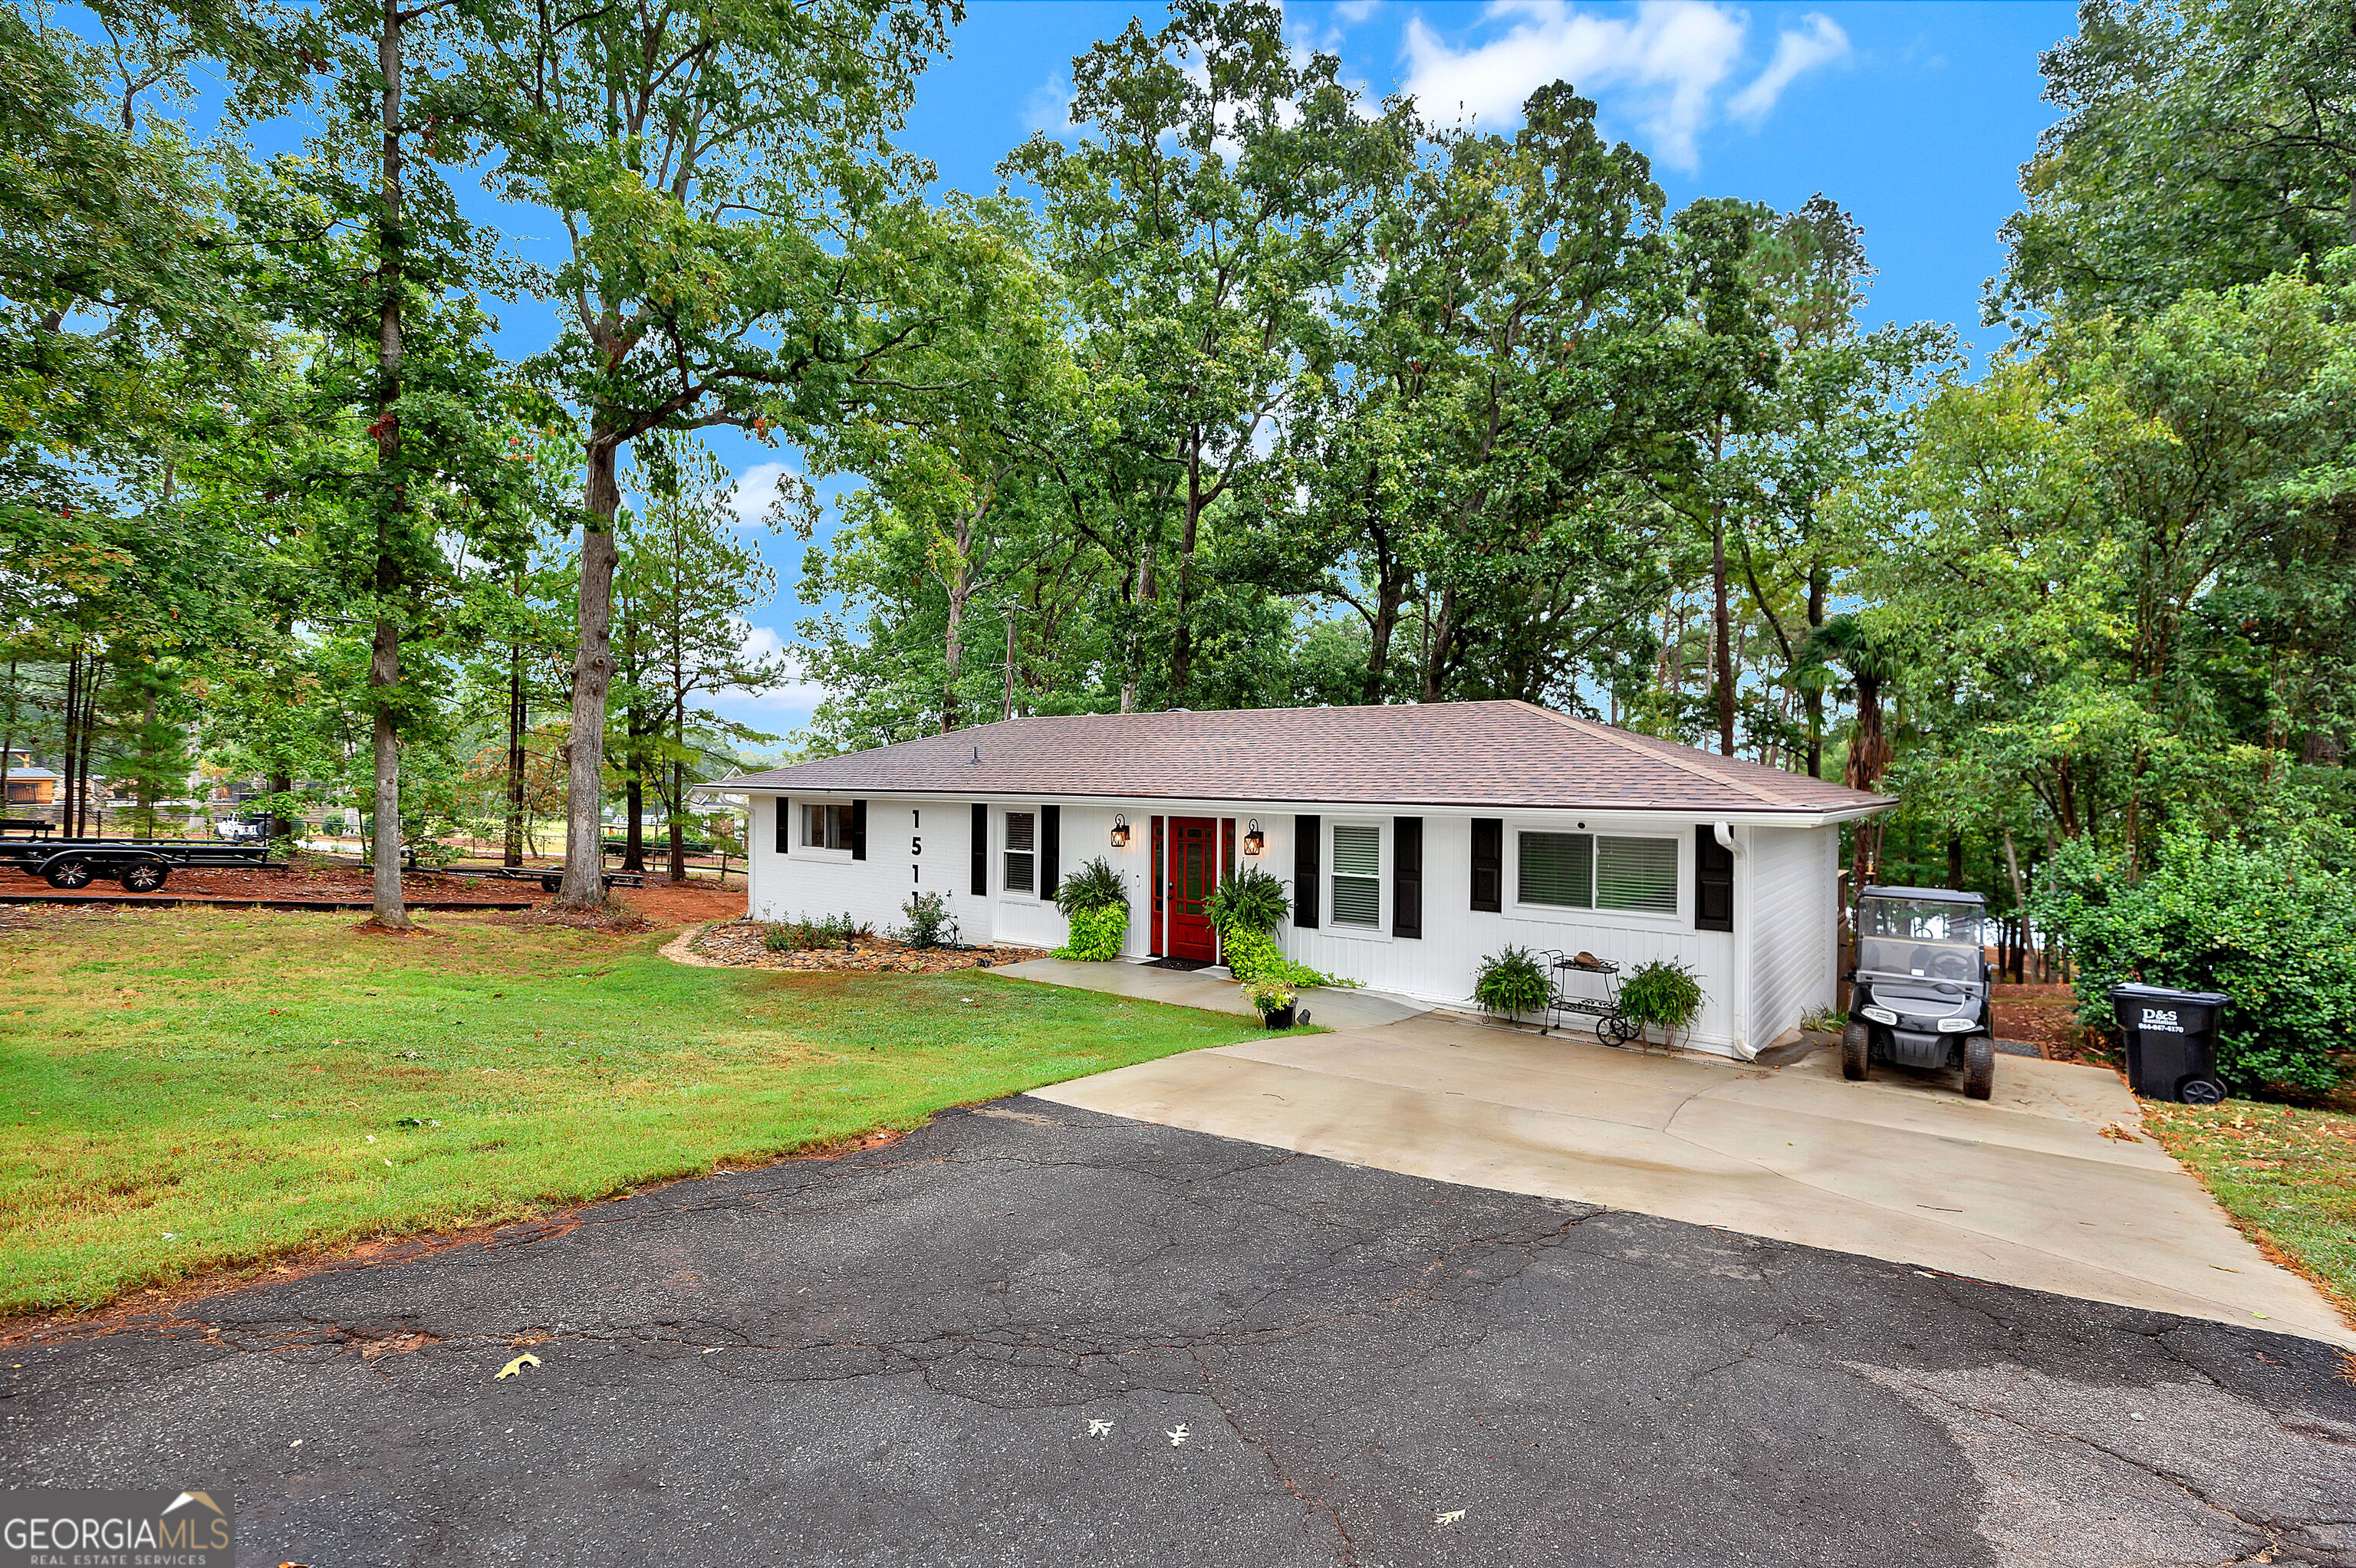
<point x="1028" y="1334"/>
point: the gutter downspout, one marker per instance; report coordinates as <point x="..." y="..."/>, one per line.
<point x="1745" y="1046"/>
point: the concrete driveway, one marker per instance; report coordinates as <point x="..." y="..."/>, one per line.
<point x="2052" y="1184"/>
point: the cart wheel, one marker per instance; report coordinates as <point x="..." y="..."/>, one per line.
<point x="550" y="883"/>
<point x="2200" y="1091"/>
<point x="1620" y="1030"/>
<point x="1856" y="1051"/>
<point x="69" y="874"/>
<point x="143" y="876"/>
<point x="1979" y="1066"/>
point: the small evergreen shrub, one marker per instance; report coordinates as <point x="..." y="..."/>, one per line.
<point x="1512" y="981"/>
<point x="931" y="924"/>
<point x="1097" y="933"/>
<point x="801" y="932"/>
<point x="1095" y="886"/>
<point x="2269" y="925"/>
<point x="1663" y="992"/>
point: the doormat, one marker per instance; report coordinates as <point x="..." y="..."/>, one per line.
<point x="1180" y="963"/>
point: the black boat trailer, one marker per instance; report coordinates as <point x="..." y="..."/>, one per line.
<point x="548" y="880"/>
<point x="141" y="865"/>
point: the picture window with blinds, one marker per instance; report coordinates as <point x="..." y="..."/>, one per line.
<point x="1357" y="875"/>
<point x="1022" y="851"/>
<point x="827" y="827"/>
<point x="1595" y="870"/>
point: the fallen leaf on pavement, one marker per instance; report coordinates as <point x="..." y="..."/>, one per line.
<point x="512" y="1368"/>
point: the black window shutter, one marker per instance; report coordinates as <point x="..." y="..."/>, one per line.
<point x="1713" y="883"/>
<point x="1051" y="823"/>
<point x="1308" y="869"/>
<point x="1489" y="864"/>
<point x="859" y="830"/>
<point x="981" y="882"/>
<point x="1407" y="876"/>
<point x="785" y="823"/>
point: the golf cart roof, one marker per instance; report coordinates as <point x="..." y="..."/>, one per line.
<point x="1936" y="895"/>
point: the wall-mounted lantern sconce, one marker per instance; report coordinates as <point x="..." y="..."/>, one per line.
<point x="1120" y="832"/>
<point x="1254" y="839"/>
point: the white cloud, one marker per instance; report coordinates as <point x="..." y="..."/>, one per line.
<point x="1671" y="57"/>
<point x="760" y="493"/>
<point x="1049" y="108"/>
<point x="1797" y="50"/>
<point x="1350" y="13"/>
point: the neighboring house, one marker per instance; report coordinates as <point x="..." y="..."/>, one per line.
<point x="1414" y="838"/>
<point x="29" y="785"/>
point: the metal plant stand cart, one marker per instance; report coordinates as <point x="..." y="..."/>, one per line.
<point x="1611" y="1026"/>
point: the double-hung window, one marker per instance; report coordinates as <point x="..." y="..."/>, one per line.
<point x="1357" y="874"/>
<point x="826" y="826"/>
<point x="1022" y="842"/>
<point x="1598" y="871"/>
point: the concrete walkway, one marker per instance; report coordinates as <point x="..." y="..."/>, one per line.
<point x="2025" y="1189"/>
<point x="1213" y="991"/>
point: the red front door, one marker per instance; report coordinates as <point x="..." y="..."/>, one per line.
<point x="1193" y="871"/>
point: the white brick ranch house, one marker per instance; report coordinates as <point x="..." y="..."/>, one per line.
<point x="1414" y="838"/>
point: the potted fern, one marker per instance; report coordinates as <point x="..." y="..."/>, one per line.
<point x="1512" y="981"/>
<point x="1664" y="993"/>
<point x="1096" y="902"/>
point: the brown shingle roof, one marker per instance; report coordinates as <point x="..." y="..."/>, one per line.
<point x="1451" y="753"/>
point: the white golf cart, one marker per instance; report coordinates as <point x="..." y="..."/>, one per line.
<point x="1919" y="994"/>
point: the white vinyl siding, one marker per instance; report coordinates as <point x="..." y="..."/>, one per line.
<point x="1020" y="850"/>
<point x="1357" y="874"/>
<point x="1636" y="874"/>
<point x="1556" y="868"/>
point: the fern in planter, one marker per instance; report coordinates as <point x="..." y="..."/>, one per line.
<point x="1094" y="886"/>
<point x="1512" y="981"/>
<point x="1663" y="992"/>
<point x="1252" y="901"/>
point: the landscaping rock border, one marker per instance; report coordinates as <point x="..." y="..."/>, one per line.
<point x="738" y="944"/>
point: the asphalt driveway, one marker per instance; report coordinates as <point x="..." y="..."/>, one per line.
<point x="1034" y="1334"/>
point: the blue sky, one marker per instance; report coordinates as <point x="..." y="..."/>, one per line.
<point x="1915" y="117"/>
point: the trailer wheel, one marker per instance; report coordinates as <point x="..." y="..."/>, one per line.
<point x="69" y="873"/>
<point x="1856" y="1051"/>
<point x="1979" y="1066"/>
<point x="145" y="876"/>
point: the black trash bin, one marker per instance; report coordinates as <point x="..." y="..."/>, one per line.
<point x="2171" y="1038"/>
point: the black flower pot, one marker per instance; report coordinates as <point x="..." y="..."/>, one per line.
<point x="1281" y="1019"/>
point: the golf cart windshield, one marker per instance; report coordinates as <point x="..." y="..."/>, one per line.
<point x="1934" y="939"/>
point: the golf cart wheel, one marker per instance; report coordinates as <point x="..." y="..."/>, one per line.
<point x="1979" y="1066"/>
<point x="143" y="876"/>
<point x="2200" y="1091"/>
<point x="1856" y="1051"/>
<point x="68" y="875"/>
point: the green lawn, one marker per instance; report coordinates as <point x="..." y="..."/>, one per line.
<point x="189" y="1088"/>
<point x="2287" y="1176"/>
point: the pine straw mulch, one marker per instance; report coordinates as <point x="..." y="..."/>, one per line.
<point x="738" y="943"/>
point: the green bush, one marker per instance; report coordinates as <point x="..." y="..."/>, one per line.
<point x="931" y="924"/>
<point x="1094" y="886"/>
<point x="1252" y="901"/>
<point x="1512" y="981"/>
<point x="1097" y="934"/>
<point x="1253" y="956"/>
<point x="2269" y="925"/>
<point x="1665" y="992"/>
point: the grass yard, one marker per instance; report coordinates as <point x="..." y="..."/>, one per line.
<point x="2287" y="1177"/>
<point x="190" y="1089"/>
